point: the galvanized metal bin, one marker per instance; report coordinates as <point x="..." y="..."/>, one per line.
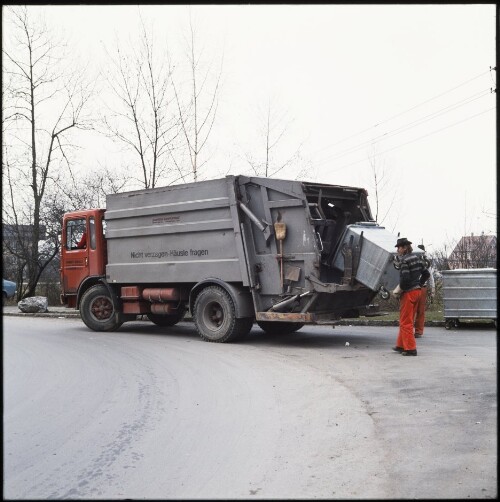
<point x="469" y="294"/>
<point x="376" y="250"/>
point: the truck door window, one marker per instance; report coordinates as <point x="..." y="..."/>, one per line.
<point x="75" y="234"/>
<point x="92" y="232"/>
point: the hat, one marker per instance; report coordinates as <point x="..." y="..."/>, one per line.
<point x="402" y="242"/>
<point x="421" y="246"/>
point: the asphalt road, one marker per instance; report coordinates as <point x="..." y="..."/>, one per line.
<point x="142" y="414"/>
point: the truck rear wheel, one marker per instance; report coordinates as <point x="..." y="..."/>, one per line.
<point x="97" y="310"/>
<point x="279" y="328"/>
<point x="167" y="320"/>
<point x="215" y="316"/>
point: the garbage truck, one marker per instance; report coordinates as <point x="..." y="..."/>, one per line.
<point x="231" y="252"/>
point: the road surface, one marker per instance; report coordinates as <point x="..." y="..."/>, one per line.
<point x="139" y="413"/>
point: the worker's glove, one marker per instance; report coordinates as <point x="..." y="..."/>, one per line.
<point x="397" y="292"/>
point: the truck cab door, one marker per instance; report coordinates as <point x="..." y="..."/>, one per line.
<point x="78" y="236"/>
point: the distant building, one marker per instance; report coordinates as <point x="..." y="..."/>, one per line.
<point x="13" y="235"/>
<point x="16" y="243"/>
<point x="474" y="251"/>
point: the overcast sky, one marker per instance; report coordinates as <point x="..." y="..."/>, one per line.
<point x="409" y="83"/>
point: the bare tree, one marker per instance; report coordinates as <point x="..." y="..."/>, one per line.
<point x="489" y="213"/>
<point x="440" y="257"/>
<point x="474" y="251"/>
<point x="384" y="192"/>
<point x="90" y="190"/>
<point x="484" y="251"/>
<point x="44" y="104"/>
<point x="141" y="115"/>
<point x="197" y="111"/>
<point x="468" y="252"/>
<point x="273" y="155"/>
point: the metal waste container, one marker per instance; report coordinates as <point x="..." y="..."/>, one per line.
<point x="373" y="256"/>
<point x="469" y="294"/>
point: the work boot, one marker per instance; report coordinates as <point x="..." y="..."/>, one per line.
<point x="398" y="349"/>
<point x="409" y="352"/>
<point x="418" y="335"/>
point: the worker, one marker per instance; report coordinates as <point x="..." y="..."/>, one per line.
<point x="413" y="274"/>
<point x="82" y="243"/>
<point x="429" y="288"/>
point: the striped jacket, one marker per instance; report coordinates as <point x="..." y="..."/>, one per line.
<point x="412" y="272"/>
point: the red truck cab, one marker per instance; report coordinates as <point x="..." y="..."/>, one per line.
<point x="83" y="253"/>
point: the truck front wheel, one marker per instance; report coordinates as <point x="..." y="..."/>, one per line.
<point x="97" y="310"/>
<point x="215" y="316"/>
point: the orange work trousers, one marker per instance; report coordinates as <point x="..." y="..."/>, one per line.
<point x="420" y="314"/>
<point x="407" y="310"/>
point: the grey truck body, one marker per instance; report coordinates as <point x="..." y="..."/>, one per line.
<point x="332" y="262"/>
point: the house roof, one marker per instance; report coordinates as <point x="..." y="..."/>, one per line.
<point x="469" y="240"/>
<point x="473" y="242"/>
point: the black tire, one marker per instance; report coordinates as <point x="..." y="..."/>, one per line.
<point x="450" y="323"/>
<point x="167" y="320"/>
<point x="215" y="318"/>
<point x="279" y="328"/>
<point x="97" y="311"/>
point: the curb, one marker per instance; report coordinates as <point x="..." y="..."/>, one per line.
<point x="74" y="315"/>
<point x="343" y="322"/>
